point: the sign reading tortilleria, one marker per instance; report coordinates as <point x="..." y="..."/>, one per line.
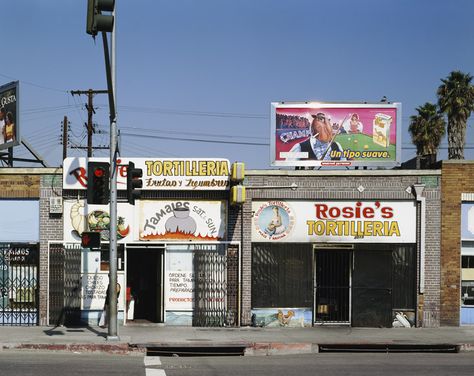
<point x="334" y="221"/>
<point x="163" y="174"/>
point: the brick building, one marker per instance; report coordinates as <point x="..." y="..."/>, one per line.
<point x="246" y="263"/>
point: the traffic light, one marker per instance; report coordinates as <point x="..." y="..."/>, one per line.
<point x="98" y="191"/>
<point x="96" y="21"/>
<point x="134" y="183"/>
<point x="90" y="239"/>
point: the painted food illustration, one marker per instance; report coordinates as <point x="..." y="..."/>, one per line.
<point x="99" y="220"/>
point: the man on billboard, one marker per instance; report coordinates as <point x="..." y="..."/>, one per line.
<point x="320" y="145"/>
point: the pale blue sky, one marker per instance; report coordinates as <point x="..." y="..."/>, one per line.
<point x="209" y="69"/>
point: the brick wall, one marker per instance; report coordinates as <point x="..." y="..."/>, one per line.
<point x="51" y="228"/>
<point x="314" y="185"/>
<point x="457" y="178"/>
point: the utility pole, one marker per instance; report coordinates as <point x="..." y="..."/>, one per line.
<point x="90" y="112"/>
<point x="65" y="137"/>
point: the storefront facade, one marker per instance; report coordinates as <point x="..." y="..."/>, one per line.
<point x="344" y="247"/>
<point x="177" y="263"/>
<point x="457" y="243"/>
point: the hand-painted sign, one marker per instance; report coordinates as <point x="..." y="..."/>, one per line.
<point x="334" y="221"/>
<point x="163" y="174"/>
<point x="79" y="217"/>
<point x="182" y="220"/>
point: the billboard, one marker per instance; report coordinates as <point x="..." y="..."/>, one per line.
<point x="9" y="113"/>
<point x="335" y="134"/>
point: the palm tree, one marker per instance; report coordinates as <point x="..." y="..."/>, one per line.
<point x="427" y="129"/>
<point x="456" y="100"/>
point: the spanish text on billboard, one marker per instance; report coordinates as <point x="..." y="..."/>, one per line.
<point x="327" y="134"/>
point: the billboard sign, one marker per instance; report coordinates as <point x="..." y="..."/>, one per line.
<point x="310" y="134"/>
<point x="9" y="114"/>
<point x="196" y="174"/>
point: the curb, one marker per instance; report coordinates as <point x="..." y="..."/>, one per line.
<point x="116" y="349"/>
<point x="249" y="348"/>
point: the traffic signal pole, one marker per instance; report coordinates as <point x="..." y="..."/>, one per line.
<point x="111" y="85"/>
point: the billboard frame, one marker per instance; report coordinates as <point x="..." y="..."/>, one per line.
<point x="14" y="85"/>
<point x="335" y="105"/>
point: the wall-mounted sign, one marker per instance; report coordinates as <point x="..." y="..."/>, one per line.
<point x="9" y="115"/>
<point x="80" y="217"/>
<point x="335" y="134"/>
<point x="158" y="174"/>
<point x="182" y="220"/>
<point x="334" y="221"/>
<point x="94" y="290"/>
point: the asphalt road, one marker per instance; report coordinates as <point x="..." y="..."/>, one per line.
<point x="52" y="364"/>
<point x="362" y="364"/>
<point x="25" y="363"/>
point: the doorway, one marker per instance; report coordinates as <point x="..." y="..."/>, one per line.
<point x="145" y="284"/>
<point x="372" y="289"/>
<point x="332" y="286"/>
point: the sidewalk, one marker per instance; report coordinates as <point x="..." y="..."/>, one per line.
<point x="255" y="341"/>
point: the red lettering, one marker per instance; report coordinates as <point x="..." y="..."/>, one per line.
<point x="80" y="175"/>
<point x="347" y="212"/>
<point x="387" y="212"/>
<point x="321" y="210"/>
<point x="368" y="213"/>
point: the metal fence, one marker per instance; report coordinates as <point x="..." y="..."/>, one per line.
<point x="19" y="284"/>
<point x="213" y="303"/>
<point x="64" y="284"/>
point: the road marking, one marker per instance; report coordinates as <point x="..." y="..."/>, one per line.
<point x="152" y="361"/>
<point x="154" y="372"/>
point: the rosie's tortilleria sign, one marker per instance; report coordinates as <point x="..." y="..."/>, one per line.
<point x="334" y="221"/>
<point x="158" y="174"/>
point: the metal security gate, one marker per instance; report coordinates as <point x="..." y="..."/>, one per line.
<point x="211" y="293"/>
<point x="332" y="296"/>
<point x="19" y="285"/>
<point x="64" y="284"/>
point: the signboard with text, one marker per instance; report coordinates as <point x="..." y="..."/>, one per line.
<point x="9" y="115"/>
<point x="334" y="221"/>
<point x="335" y="134"/>
<point x="195" y="174"/>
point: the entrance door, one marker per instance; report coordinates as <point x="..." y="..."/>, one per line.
<point x="332" y="278"/>
<point x="372" y="289"/>
<point x="144" y="278"/>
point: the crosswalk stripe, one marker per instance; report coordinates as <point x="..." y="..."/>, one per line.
<point x="152" y="361"/>
<point x="154" y="372"/>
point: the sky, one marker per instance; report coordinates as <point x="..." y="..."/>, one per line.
<point x="195" y="79"/>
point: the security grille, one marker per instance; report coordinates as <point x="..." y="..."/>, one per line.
<point x="211" y="296"/>
<point x="19" y="287"/>
<point x="64" y="284"/>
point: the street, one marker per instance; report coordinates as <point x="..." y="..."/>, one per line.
<point x="52" y="364"/>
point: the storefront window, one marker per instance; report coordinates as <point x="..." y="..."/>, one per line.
<point x="281" y="275"/>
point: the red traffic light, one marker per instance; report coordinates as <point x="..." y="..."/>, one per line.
<point x="90" y="239"/>
<point x="99" y="172"/>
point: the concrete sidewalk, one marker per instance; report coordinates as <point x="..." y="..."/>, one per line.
<point x="254" y="341"/>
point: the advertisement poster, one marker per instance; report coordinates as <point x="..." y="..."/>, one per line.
<point x="182" y="220"/>
<point x="334" y="221"/>
<point x="336" y="135"/>
<point x="179" y="281"/>
<point x="80" y="217"/>
<point x="94" y="290"/>
<point x="9" y="113"/>
<point x="196" y="174"/>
